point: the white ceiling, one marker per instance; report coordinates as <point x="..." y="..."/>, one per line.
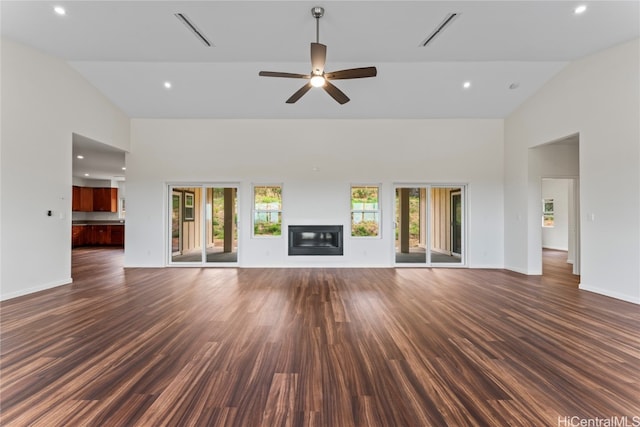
<point x="99" y="161"/>
<point x="128" y="49"/>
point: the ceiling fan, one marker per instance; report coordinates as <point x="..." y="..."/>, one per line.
<point x="318" y="77"/>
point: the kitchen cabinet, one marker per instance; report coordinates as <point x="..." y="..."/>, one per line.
<point x="94" y="199"/>
<point x="82" y="199"/>
<point x="75" y="199"/>
<point x="86" y="199"/>
<point x="100" y="235"/>
<point x="78" y="235"/>
<point x="117" y="235"/>
<point x="97" y="235"/>
<point x="105" y="200"/>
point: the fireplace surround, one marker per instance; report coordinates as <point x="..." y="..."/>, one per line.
<point x="315" y="240"/>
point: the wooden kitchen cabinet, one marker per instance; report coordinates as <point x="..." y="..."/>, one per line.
<point x="82" y="199"/>
<point x="97" y="235"/>
<point x="86" y="199"/>
<point x="75" y="199"/>
<point x="78" y="237"/>
<point x="116" y="235"/>
<point x="105" y="200"/>
<point x="100" y="235"/>
<point x="94" y="199"/>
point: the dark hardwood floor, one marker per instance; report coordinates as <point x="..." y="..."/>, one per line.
<point x="315" y="347"/>
<point x="556" y="270"/>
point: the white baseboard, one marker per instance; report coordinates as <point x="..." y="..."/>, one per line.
<point x="517" y="270"/>
<point x="39" y="288"/>
<point x="608" y="293"/>
<point x="485" y="267"/>
<point x="523" y="271"/>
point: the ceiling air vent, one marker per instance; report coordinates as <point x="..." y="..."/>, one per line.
<point x="447" y="20"/>
<point x="183" y="18"/>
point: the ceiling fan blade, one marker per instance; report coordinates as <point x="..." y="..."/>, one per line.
<point x="318" y="58"/>
<point x="352" y="73"/>
<point x="304" y="89"/>
<point x="279" y="74"/>
<point x="335" y="93"/>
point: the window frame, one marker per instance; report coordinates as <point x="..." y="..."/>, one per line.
<point x="377" y="211"/>
<point x="254" y="211"/>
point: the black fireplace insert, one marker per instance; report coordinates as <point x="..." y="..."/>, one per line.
<point x="315" y="240"/>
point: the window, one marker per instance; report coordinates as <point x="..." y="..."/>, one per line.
<point x="267" y="210"/>
<point x="189" y="209"/>
<point x="547" y="213"/>
<point x="365" y="211"/>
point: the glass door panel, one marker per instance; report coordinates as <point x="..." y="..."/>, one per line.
<point x="446" y="225"/>
<point x="456" y="223"/>
<point x="186" y="231"/>
<point x="221" y="224"/>
<point x="203" y="225"/>
<point x="410" y="220"/>
<point x="176" y="220"/>
<point x="430" y="225"/>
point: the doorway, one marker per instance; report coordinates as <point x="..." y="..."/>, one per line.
<point x="553" y="162"/>
<point x="203" y="226"/>
<point x="429" y="225"/>
<point x="559" y="222"/>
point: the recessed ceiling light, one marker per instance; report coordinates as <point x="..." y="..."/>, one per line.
<point x="466" y="85"/>
<point x="167" y="85"/>
<point x="60" y="10"/>
<point x="80" y="156"/>
<point x="86" y="174"/>
<point x="124" y="169"/>
<point x="580" y="9"/>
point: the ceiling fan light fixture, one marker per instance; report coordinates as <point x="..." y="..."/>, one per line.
<point x="317" y="81"/>
<point x="318" y="77"/>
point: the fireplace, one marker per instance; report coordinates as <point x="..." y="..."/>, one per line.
<point x="315" y="240"/>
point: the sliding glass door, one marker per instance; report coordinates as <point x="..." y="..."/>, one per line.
<point x="429" y="225"/>
<point x="203" y="226"/>
<point x="411" y="231"/>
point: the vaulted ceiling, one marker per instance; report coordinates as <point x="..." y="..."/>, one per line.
<point x="506" y="50"/>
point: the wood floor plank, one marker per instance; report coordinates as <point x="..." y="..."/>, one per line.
<point x="279" y="410"/>
<point x="315" y="347"/>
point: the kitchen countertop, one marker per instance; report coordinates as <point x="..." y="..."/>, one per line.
<point x="98" y="222"/>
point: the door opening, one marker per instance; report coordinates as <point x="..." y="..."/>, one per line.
<point x="203" y="225"/>
<point x="429" y="225"/>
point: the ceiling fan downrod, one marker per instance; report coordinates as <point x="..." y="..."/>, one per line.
<point x="317" y="12"/>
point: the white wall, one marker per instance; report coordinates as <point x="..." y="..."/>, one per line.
<point x="596" y="97"/>
<point x="345" y="152"/>
<point x="44" y="101"/>
<point x="557" y="237"/>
